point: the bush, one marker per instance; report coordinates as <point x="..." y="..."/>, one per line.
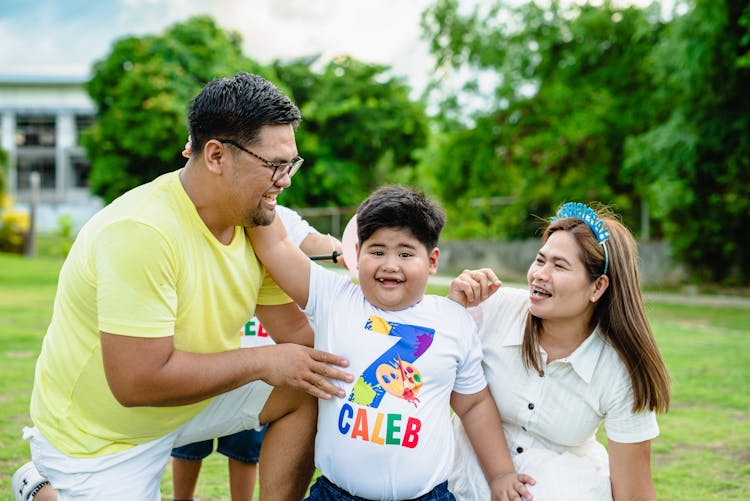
<point x="14" y="227"/>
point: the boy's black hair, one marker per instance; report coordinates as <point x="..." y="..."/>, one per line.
<point x="395" y="206"/>
<point x="236" y="108"/>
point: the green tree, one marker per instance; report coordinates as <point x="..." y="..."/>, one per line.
<point x="143" y="89"/>
<point x="698" y="158"/>
<point x="360" y="129"/>
<point x="571" y="84"/>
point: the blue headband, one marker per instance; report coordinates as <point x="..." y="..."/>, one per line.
<point x="591" y="218"/>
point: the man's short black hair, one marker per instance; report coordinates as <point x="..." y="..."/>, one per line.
<point x="398" y="207"/>
<point x="237" y="108"/>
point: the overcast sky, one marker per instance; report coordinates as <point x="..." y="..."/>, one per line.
<point x="66" y="36"/>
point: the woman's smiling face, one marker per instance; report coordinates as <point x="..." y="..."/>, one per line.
<point x="559" y="285"/>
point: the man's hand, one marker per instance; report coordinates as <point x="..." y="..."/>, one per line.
<point x="511" y="486"/>
<point x="472" y="287"/>
<point x="304" y="368"/>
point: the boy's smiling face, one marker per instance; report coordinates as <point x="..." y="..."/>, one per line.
<point x="394" y="267"/>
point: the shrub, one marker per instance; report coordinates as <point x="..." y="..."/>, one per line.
<point x="14" y="227"/>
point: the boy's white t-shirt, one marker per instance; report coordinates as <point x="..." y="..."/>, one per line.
<point x="387" y="440"/>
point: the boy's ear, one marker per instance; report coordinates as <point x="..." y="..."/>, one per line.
<point x="433" y="258"/>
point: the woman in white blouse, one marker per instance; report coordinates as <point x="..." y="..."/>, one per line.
<point x="573" y="351"/>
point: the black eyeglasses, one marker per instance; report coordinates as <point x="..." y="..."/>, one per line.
<point x="279" y="170"/>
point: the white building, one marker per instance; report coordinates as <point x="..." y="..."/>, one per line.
<point x="41" y="118"/>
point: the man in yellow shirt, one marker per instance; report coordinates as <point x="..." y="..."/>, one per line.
<point x="142" y="354"/>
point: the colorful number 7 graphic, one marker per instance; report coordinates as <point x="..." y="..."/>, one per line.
<point x="393" y="371"/>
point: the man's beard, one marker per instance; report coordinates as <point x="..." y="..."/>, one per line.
<point x="262" y="217"/>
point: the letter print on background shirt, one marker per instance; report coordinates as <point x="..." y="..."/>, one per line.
<point x="394" y="371"/>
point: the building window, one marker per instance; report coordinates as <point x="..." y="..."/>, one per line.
<point x="80" y="167"/>
<point x="35" y="130"/>
<point x="40" y="161"/>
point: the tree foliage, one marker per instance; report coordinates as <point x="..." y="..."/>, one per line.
<point x="601" y="103"/>
<point x="143" y="89"/>
<point x="698" y="158"/>
<point x="571" y="86"/>
<point x="565" y="102"/>
<point x="360" y="129"/>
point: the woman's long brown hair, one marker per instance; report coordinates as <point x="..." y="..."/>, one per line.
<point x="620" y="312"/>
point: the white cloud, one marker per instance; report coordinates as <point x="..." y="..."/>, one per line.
<point x="78" y="32"/>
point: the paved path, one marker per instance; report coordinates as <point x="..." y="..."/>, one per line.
<point x="698" y="299"/>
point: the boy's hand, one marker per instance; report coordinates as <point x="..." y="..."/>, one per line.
<point x="511" y="486"/>
<point x="472" y="287"/>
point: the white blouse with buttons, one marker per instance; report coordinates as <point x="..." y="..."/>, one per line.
<point x="556" y="414"/>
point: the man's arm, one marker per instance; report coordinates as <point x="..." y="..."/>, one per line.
<point x="150" y="372"/>
<point x="483" y="426"/>
<point x="317" y="244"/>
<point x="285" y="323"/>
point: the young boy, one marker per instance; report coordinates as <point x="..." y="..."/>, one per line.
<point x="415" y="355"/>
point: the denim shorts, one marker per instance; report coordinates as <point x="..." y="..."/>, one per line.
<point x="325" y="490"/>
<point x="242" y="446"/>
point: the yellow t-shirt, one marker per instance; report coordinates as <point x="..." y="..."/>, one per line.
<point x="144" y="266"/>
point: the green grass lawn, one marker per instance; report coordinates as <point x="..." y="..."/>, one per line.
<point x="703" y="451"/>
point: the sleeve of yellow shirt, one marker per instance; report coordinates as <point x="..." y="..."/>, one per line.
<point x="135" y="280"/>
